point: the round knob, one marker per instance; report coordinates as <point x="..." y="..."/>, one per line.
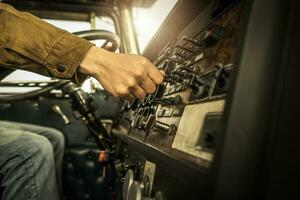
<point x="127" y="183"/>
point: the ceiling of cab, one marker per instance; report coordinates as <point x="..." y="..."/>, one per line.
<point x="138" y="3"/>
<point x="64" y="9"/>
<point x="65" y="1"/>
<point x="73" y="9"/>
<point x="63" y="4"/>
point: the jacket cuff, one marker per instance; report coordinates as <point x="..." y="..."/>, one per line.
<point x="79" y="78"/>
<point x="66" y="55"/>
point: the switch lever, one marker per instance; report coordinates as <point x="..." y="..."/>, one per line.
<point x="184" y="48"/>
<point x="56" y="108"/>
<point x="193" y="41"/>
<point x="170" y="129"/>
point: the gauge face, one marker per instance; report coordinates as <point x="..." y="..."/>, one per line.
<point x="127" y="183"/>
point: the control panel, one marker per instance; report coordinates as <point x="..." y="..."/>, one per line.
<point x="183" y="116"/>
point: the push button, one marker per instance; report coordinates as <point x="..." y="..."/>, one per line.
<point x="61" y="68"/>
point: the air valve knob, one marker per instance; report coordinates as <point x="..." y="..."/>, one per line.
<point x="129" y="180"/>
<point x="135" y="193"/>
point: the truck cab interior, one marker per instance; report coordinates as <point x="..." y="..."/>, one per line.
<point x="222" y="125"/>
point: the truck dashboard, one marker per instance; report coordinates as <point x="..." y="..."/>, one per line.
<point x="222" y="125"/>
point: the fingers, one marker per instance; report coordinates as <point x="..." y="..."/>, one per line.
<point x="148" y="85"/>
<point x="138" y="92"/>
<point x="163" y="73"/>
<point x="147" y="81"/>
<point x="129" y="97"/>
<point x="155" y="75"/>
<point x="123" y="75"/>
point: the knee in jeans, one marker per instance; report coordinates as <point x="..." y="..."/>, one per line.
<point x="57" y="138"/>
<point x="39" y="147"/>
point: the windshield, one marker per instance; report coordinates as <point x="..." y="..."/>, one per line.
<point x="148" y="20"/>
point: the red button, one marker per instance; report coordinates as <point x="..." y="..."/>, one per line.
<point x="102" y="156"/>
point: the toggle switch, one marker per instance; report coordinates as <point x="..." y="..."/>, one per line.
<point x="169" y="129"/>
<point x="157" y="94"/>
<point x="200" y="86"/>
<point x="56" y="108"/>
<point x="177" y="100"/>
<point x="197" y="81"/>
<point x="169" y="65"/>
<point x="148" y="122"/>
<point x="193" y="41"/>
<point x="132" y="104"/>
<point x="186" y="49"/>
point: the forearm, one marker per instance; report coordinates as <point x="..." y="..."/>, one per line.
<point x="29" y="43"/>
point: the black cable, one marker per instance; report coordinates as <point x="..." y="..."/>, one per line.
<point x="98" y="140"/>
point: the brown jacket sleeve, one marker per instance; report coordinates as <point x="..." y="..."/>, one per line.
<point x="29" y="43"/>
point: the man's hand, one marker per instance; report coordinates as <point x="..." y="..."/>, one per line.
<point x="121" y="74"/>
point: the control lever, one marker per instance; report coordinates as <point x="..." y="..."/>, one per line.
<point x="183" y="74"/>
<point x="148" y="122"/>
<point x="56" y="108"/>
<point x="193" y="41"/>
<point x="218" y="72"/>
<point x="169" y="65"/>
<point x="177" y="54"/>
<point x="202" y="84"/>
<point x="184" y="48"/>
<point x="196" y="81"/>
<point x="172" y="78"/>
<point x="157" y="94"/>
<point x="170" y="101"/>
<point x="132" y="104"/>
<point x="174" y="59"/>
<point x="178" y="75"/>
<point x="170" y="129"/>
<point x="135" y="123"/>
<point x="83" y="106"/>
<point x="187" y="69"/>
<point x="201" y="87"/>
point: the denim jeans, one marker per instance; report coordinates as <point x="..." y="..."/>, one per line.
<point x="30" y="161"/>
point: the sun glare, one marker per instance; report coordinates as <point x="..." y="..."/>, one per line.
<point x="148" y="20"/>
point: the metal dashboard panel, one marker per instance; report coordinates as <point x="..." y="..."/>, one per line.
<point x="190" y="128"/>
<point x="178" y="118"/>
